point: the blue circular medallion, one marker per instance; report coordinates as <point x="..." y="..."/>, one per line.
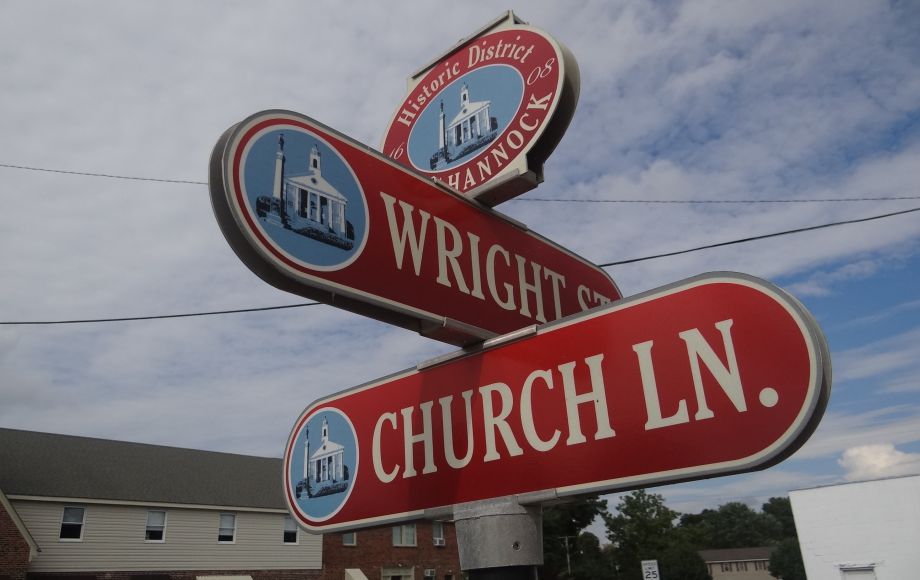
<point x="306" y="199"/>
<point x="323" y="464"/>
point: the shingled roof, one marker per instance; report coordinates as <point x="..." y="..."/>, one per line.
<point x="64" y="466"/>
<point x="737" y="554"/>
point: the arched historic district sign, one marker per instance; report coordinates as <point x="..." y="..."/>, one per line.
<point x="485" y="116"/>
<point x="715" y="375"/>
<point x="317" y="214"/>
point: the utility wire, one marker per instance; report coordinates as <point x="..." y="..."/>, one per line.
<point x="607" y="265"/>
<point x="763" y="237"/>
<point x="519" y="199"/>
<point x="691" y="201"/>
<point x="158" y="316"/>
<point x="106" y="175"/>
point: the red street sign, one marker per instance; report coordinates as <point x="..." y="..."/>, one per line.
<point x="315" y="213"/>
<point x="485" y="116"/>
<point x="715" y="375"/>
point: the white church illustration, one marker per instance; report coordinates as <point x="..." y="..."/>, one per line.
<point x="471" y="129"/>
<point x="307" y="203"/>
<point x="324" y="472"/>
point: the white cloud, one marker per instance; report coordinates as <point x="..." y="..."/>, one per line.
<point x="867" y="462"/>
<point x="839" y="431"/>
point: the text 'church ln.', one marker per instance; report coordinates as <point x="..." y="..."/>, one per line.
<point x="715" y="375"/>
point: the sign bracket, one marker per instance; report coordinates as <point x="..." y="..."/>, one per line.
<point x="499" y="538"/>
<point x="507" y="187"/>
<point x="453" y="331"/>
<point x="476" y="347"/>
<point x="508" y="18"/>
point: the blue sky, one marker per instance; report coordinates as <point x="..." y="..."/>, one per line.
<point x="680" y="101"/>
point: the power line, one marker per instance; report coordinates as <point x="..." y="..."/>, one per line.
<point x="714" y="201"/>
<point x="519" y="199"/>
<point x="606" y="265"/>
<point x="762" y="237"/>
<point x="157" y="316"/>
<point x="105" y="175"/>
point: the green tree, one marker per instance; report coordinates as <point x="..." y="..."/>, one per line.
<point x="732" y="525"/>
<point x="781" y="509"/>
<point x="786" y="561"/>
<point x="644" y="529"/>
<point x="590" y="561"/>
<point x="681" y="560"/>
<point x="562" y="528"/>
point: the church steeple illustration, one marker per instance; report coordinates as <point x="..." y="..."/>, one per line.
<point x="305" y="201"/>
<point x="279" y="169"/>
<point x="316" y="161"/>
<point x="471" y="129"/>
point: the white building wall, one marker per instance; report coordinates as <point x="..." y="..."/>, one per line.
<point x="860" y="524"/>
<point x="113" y="540"/>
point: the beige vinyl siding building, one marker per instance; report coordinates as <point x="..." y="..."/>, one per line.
<point x="739" y="563"/>
<point x="117" y="510"/>
<point x="114" y="539"/>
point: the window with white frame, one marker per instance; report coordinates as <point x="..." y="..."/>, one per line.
<point x="72" y="524"/>
<point x="437" y="533"/>
<point x="226" y="529"/>
<point x="350" y="539"/>
<point x="404" y="535"/>
<point x="290" y="530"/>
<point x="156" y="526"/>
<point x="866" y="572"/>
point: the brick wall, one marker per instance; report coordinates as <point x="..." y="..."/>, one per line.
<point x="14" y="549"/>
<point x="374" y="550"/>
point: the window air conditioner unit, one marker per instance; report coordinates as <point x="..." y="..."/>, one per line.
<point x="429" y="572"/>
<point x="439" y="541"/>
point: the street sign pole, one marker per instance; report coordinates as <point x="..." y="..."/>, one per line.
<point x="499" y="539"/>
<point x="530" y="82"/>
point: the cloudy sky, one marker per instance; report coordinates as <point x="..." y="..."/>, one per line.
<point x="756" y="106"/>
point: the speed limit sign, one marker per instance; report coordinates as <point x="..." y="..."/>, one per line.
<point x="650" y="569"/>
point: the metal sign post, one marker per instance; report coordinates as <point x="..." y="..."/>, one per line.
<point x="499" y="539"/>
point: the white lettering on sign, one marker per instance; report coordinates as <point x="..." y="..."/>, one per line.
<point x="384" y="476"/>
<point x="407" y="116"/>
<point x="485" y="51"/>
<point x="408" y="235"/>
<point x="508" y="424"/>
<point x="512" y="282"/>
<point x="448" y="424"/>
<point x="596" y="395"/>
<point x="728" y="379"/>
